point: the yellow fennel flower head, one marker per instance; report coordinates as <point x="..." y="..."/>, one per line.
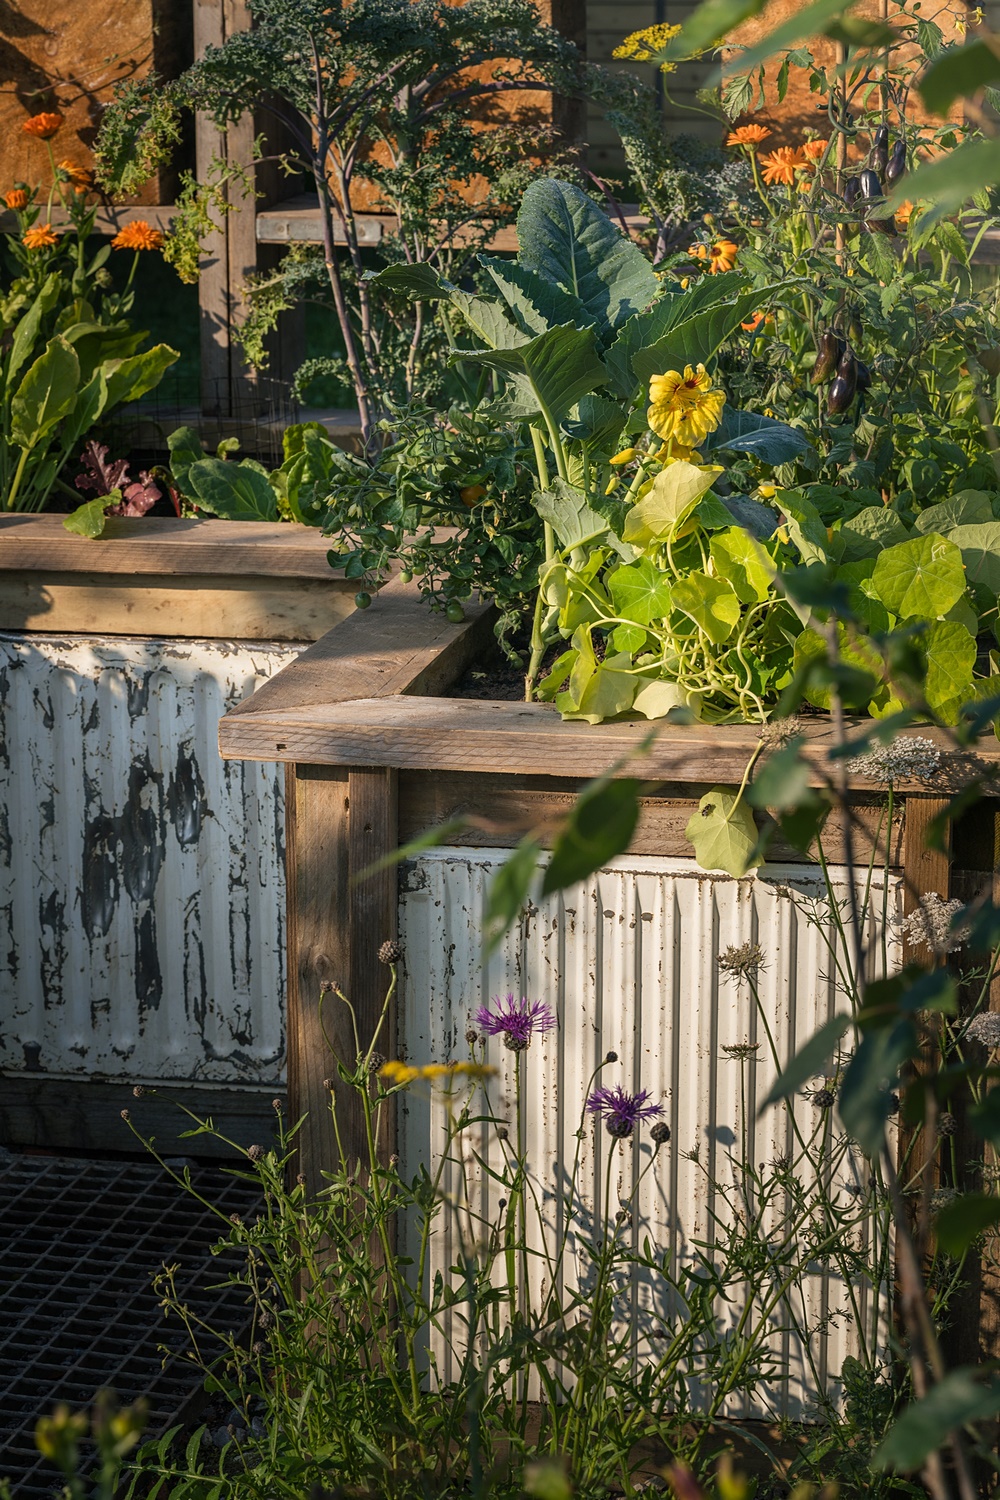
<point x="624" y="457"/>
<point x="684" y="406"/>
<point x="400" y="1073"/>
<point x="646" y="45"/>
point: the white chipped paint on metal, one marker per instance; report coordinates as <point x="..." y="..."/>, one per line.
<point x="628" y="963"/>
<point x="142" y="892"/>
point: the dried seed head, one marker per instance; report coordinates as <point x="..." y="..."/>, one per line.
<point x="743" y="963"/>
<point x="328" y="1085"/>
<point x="301" y="1179"/>
<point x="235" y="1219"/>
<point x="255" y="1153"/>
<point x="947" y="1124"/>
<point x="375" y="1062"/>
<point x="824" y="1098"/>
<point x="276" y="1106"/>
<point x="472" y="1036"/>
<point x="259" y="1349"/>
<point x="394" y="1160"/>
<point x="328" y="987"/>
<point x="660" y="1132"/>
<point x="610" y="1057"/>
<point x="503" y="1134"/>
<point x="390" y="953"/>
<point x="126" y="1116"/>
<point x="138" y="1091"/>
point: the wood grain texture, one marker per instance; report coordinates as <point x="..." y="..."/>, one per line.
<point x="316" y="871"/>
<point x="372" y="834"/>
<point x="200" y="607"/>
<point x="59" y="1114"/>
<point x="396" y="646"/>
<point x="504" y="807"/>
<point x="446" y="734"/>
<point x="165" y="544"/>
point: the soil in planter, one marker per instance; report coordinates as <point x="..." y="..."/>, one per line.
<point x="498" y="678"/>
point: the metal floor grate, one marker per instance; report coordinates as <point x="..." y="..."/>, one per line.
<point x="79" y="1243"/>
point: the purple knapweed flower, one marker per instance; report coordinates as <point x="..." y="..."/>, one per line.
<point x="622" y="1112"/>
<point x="516" y="1020"/>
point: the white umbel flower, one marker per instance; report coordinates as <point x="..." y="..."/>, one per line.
<point x="930" y="925"/>
<point x="985" y="1028"/>
<point x="909" y="758"/>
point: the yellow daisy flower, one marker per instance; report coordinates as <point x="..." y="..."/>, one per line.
<point x="684" y="407"/>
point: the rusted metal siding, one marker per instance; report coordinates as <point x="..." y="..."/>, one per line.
<point x="142" y="893"/>
<point x="628" y="963"/>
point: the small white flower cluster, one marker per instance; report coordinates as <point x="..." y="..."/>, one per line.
<point x="985" y="1028"/>
<point x="909" y="758"/>
<point x="930" y="925"/>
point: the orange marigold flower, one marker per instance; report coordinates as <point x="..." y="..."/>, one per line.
<point x="139" y="235"/>
<point x="756" y="321"/>
<point x="77" y="175"/>
<point x="782" y="164"/>
<point x="43" y="126"/>
<point x="813" y="150"/>
<point x="41" y="237"/>
<point x="747" y="135"/>
<point x="723" y="256"/>
<point x="16" y="198"/>
<point x="904" y="213"/>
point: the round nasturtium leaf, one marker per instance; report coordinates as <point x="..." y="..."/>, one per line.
<point x="640" y="591"/>
<point x="951" y="657"/>
<point x="711" y="602"/>
<point x="921" y="578"/>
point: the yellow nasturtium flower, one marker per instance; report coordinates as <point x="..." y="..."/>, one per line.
<point x="624" y="457"/>
<point x="684" y="406"/>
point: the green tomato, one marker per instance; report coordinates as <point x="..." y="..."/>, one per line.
<point x="362" y="600"/>
<point x="455" y="612"/>
<point x="405" y="576"/>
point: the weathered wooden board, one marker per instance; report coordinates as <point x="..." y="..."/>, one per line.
<point x="165" y="544"/>
<point x="192" y="606"/>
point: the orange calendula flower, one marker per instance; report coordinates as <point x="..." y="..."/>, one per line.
<point x="782" y="164"/>
<point x="139" y="235"/>
<point x="904" y="213"/>
<point x="77" y="175"/>
<point x="683" y="406"/>
<point x="756" y="321"/>
<point x="747" y="135"/>
<point x="814" y="150"/>
<point x="17" y="198"/>
<point x="43" y="126"/>
<point x="41" y="237"/>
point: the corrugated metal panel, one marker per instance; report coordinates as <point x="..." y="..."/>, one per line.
<point x="142" y="893"/>
<point x="628" y="963"/>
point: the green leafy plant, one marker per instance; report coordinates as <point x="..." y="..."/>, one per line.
<point x="382" y="104"/>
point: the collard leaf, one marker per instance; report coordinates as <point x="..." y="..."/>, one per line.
<point x="508" y="892"/>
<point x="724" y="833"/>
<point x="810" y="1060"/>
<point x="921" y="578"/>
<point x="961" y="1397"/>
<point x="565" y="238"/>
<point x="761" y="437"/>
<point x="560" y="366"/>
<point x="698" y="339"/>
<point x="600" y="826"/>
<point x="420" y="281"/>
<point x="487" y="319"/>
<point x="960" y="1222"/>
<point x="668" y="311"/>
<point x="236" y="492"/>
<point x="46" y="394"/>
<point x="534" y="303"/>
<point x="753" y="515"/>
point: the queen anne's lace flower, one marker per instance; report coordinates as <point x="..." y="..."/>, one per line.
<point x="930" y="925"/>
<point x="985" y="1029"/>
<point x="909" y="758"/>
<point x="742" y="962"/>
